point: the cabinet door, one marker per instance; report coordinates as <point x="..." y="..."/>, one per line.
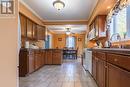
<point x="44" y="33"/>
<point x="48" y="59"/>
<point x="37" y="61"/>
<point x="34" y="31"/>
<point x="117" y="77"/>
<point x="41" y="32"/>
<point x="94" y="67"/>
<point x="125" y="78"/>
<point x="57" y="58"/>
<point x="29" y="29"/>
<point x="42" y="58"/>
<point x="23" y="23"/>
<point x="101" y="72"/>
<point x="31" y="63"/>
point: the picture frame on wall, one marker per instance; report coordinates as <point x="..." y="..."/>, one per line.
<point x="59" y="39"/>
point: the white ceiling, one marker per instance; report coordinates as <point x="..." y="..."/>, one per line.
<point x="74" y="9"/>
<point x="61" y="29"/>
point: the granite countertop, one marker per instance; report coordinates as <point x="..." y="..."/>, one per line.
<point x="114" y="50"/>
<point x="28" y="49"/>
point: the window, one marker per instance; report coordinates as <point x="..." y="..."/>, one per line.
<point x="120" y="23"/>
<point x="70" y="42"/>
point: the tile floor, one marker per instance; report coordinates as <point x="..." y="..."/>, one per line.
<point x="69" y="74"/>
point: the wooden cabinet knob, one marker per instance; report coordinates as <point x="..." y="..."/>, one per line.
<point x="115" y="60"/>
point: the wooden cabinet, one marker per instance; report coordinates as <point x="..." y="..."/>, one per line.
<point x="94" y="69"/>
<point x="97" y="28"/>
<point x="37" y="59"/>
<point x="48" y="59"/>
<point x="29" y="29"/>
<point x="57" y="56"/>
<point x="23" y="23"/>
<point x="101" y="72"/>
<point x="100" y="25"/>
<point x="34" y="31"/>
<point x="31" y="62"/>
<point x="117" y="77"/>
<point x="111" y="69"/>
<point x="41" y="32"/>
<point x="26" y="62"/>
<point x="53" y="56"/>
<point x="43" y="57"/>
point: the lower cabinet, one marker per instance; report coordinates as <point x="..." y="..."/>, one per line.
<point x="94" y="67"/>
<point x="31" y="60"/>
<point x="109" y="72"/>
<point x="37" y="60"/>
<point x="53" y="56"/>
<point x="48" y="59"/>
<point x="26" y="62"/>
<point x="57" y="57"/>
<point x="117" y="77"/>
<point x="101" y="72"/>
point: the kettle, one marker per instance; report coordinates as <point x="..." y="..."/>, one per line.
<point x="107" y="44"/>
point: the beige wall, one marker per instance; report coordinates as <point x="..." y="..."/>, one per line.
<point x="8" y="50"/>
<point x="62" y="44"/>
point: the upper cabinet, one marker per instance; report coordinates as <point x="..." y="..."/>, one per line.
<point x="31" y="31"/>
<point x="23" y="23"/>
<point x="41" y="30"/>
<point x="97" y="27"/>
<point x="100" y="25"/>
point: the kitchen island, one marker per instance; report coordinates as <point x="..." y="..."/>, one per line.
<point x="31" y="60"/>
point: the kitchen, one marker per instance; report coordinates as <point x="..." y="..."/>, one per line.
<point x="66" y="46"/>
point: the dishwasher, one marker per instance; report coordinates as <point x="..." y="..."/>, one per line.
<point x="87" y="60"/>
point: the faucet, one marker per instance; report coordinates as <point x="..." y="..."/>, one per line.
<point x="118" y="37"/>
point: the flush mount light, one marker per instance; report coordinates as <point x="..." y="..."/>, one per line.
<point x="68" y="31"/>
<point x="58" y="4"/>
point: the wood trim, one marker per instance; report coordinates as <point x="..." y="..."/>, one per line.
<point x="65" y="22"/>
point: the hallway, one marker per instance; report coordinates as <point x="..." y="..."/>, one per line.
<point x="69" y="74"/>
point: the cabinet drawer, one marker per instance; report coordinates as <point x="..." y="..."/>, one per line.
<point x="101" y="55"/>
<point x="119" y="60"/>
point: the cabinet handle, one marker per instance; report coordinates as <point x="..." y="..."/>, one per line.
<point x="106" y="67"/>
<point x="115" y="60"/>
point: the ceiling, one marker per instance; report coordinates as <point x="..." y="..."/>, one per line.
<point x="61" y="29"/>
<point x="75" y="10"/>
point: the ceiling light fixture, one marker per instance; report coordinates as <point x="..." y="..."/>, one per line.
<point x="68" y="31"/>
<point x="58" y="4"/>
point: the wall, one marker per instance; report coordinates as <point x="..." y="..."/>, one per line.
<point x="57" y="43"/>
<point x="61" y="44"/>
<point x="9" y="50"/>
